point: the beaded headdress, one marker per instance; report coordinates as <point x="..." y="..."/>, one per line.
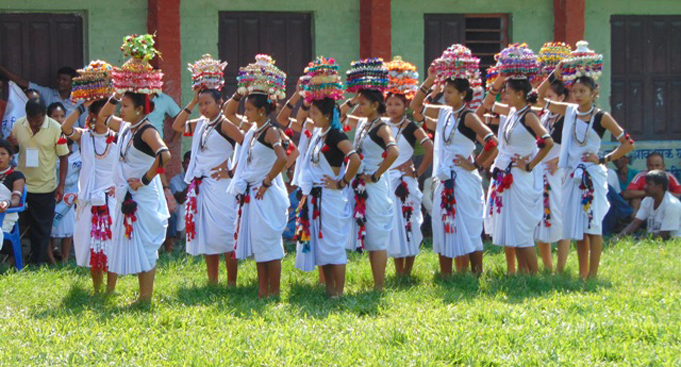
<point x="458" y="62"/>
<point x="93" y="82"/>
<point x="517" y="60"/>
<point x="321" y="80"/>
<point x="262" y="77"/>
<point x="207" y="73"/>
<point x="551" y="54"/>
<point x="582" y="62"/>
<point x="367" y="74"/>
<point x="402" y="78"/>
<point x="137" y="75"/>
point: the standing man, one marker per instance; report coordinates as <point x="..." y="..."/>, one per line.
<point x="41" y="143"/>
<point x="164" y="107"/>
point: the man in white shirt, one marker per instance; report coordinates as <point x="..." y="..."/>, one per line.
<point x="660" y="210"/>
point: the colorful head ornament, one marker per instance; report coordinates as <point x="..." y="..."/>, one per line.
<point x="367" y="74"/>
<point x="517" y="60"/>
<point x="582" y="62"/>
<point x="551" y="54"/>
<point x="262" y="77"/>
<point x="491" y="76"/>
<point x="458" y="62"/>
<point x="137" y="75"/>
<point x="93" y="82"/>
<point x="207" y="73"/>
<point x="321" y="80"/>
<point x="402" y="78"/>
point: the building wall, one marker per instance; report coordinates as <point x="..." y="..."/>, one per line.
<point x="597" y="29"/>
<point x="105" y="23"/>
<point x="531" y="22"/>
<point x="335" y="28"/>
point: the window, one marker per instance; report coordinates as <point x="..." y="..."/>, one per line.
<point x="646" y="75"/>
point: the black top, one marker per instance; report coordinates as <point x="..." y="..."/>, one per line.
<point x="373" y="134"/>
<point x="465" y="130"/>
<point x="261" y="137"/>
<point x="557" y="130"/>
<point x="408" y="133"/>
<point x="522" y="122"/>
<point x="334" y="155"/>
<point x="230" y="140"/>
<point x="600" y="130"/>
<point x="139" y="144"/>
<point x="9" y="180"/>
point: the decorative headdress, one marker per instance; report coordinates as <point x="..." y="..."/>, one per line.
<point x="137" y="75"/>
<point x="582" y="62"/>
<point x="551" y="54"/>
<point x="458" y="62"/>
<point x="517" y="60"/>
<point x="321" y="80"/>
<point x="207" y="73"/>
<point x="402" y="78"/>
<point x="367" y="74"/>
<point x="93" y="82"/>
<point x="491" y="76"/>
<point x="262" y="77"/>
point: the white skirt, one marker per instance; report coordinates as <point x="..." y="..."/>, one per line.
<point x="576" y="221"/>
<point x="215" y="219"/>
<point x="139" y="253"/>
<point x="521" y="210"/>
<point x="405" y="243"/>
<point x="82" y="235"/>
<point x="379" y="217"/>
<point x="336" y="219"/>
<point x="262" y="224"/>
<point x="65" y="227"/>
<point x="467" y="236"/>
<point x="554" y="232"/>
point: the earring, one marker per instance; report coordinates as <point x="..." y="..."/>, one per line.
<point x="261" y="114"/>
<point x="138" y="113"/>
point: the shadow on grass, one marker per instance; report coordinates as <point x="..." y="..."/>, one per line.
<point x="311" y="301"/>
<point x="241" y="301"/>
<point x="514" y="288"/>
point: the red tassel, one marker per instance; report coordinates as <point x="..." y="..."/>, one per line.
<point x="326" y="148"/>
<point x="541" y="143"/>
<point x="289" y="132"/>
<point x="385" y="153"/>
<point x="346" y="128"/>
<point x="110" y="139"/>
<point x="147" y="105"/>
<point x="160" y="170"/>
<point x="308" y="133"/>
<point x="490" y="145"/>
<point x="361" y="156"/>
<point x="430" y="136"/>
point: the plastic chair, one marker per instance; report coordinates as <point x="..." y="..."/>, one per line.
<point x="15" y="236"/>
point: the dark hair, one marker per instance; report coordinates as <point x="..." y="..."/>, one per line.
<point x="327" y="107"/>
<point x="658" y="177"/>
<point x="655" y="154"/>
<point x="139" y="100"/>
<point x="588" y="81"/>
<point x="96" y="106"/>
<point x="187" y="155"/>
<point x="374" y="96"/>
<point x="463" y="86"/>
<point x="35" y="107"/>
<point x="559" y="88"/>
<point x="399" y="96"/>
<point x="54" y="106"/>
<point x="261" y="101"/>
<point x="7" y="146"/>
<point x="31" y="90"/>
<point x="523" y="85"/>
<point x="67" y="71"/>
<point x="213" y="93"/>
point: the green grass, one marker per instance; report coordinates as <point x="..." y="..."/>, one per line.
<point x="630" y="316"/>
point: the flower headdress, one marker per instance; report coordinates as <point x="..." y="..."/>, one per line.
<point x="321" y="80"/>
<point x="582" y="62"/>
<point x="517" y="60"/>
<point x="367" y="74"/>
<point x="551" y="54"/>
<point x="207" y="73"/>
<point x="93" y="82"/>
<point x="402" y="78"/>
<point x="137" y="75"/>
<point x="458" y="62"/>
<point x="262" y="77"/>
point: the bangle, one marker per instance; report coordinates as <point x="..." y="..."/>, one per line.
<point x="424" y="140"/>
<point x="338" y="184"/>
<point x="145" y="181"/>
<point x="17" y="193"/>
<point x="188" y="111"/>
<point x="73" y="131"/>
<point x="476" y="165"/>
<point x="493" y="91"/>
<point x="266" y="185"/>
<point x="424" y="89"/>
<point x="527" y="167"/>
<point x="81" y="109"/>
<point x="305" y="108"/>
<point x="548" y="104"/>
<point x="601" y="160"/>
<point x="488" y="136"/>
<point x="374" y="179"/>
<point x="235" y="98"/>
<point x="350" y="104"/>
<point x="346" y="181"/>
<point x="113" y="100"/>
<point x="289" y="105"/>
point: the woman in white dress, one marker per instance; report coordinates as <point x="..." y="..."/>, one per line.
<point x="459" y="199"/>
<point x="514" y="203"/>
<point x="260" y="192"/>
<point x="142" y="212"/>
<point x="370" y="193"/>
<point x="550" y="228"/>
<point x="324" y="216"/>
<point x="210" y="215"/>
<point x="585" y="188"/>
<point x="95" y="212"/>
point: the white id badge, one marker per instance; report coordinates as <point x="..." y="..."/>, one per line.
<point x="32" y="157"/>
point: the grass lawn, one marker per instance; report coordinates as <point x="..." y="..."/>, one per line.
<point x="630" y="316"/>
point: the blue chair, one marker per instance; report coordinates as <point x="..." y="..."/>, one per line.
<point x="15" y="236"/>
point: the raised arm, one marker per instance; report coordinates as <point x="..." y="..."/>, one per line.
<point x="181" y="119"/>
<point x="417" y="104"/>
<point x="283" y="118"/>
<point x="489" y="102"/>
<point x="67" y="127"/>
<point x="106" y="113"/>
<point x="21" y="82"/>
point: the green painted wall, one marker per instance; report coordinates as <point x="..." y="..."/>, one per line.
<point x="335" y="28"/>
<point x="105" y="23"/>
<point x="531" y="22"/>
<point x="597" y="32"/>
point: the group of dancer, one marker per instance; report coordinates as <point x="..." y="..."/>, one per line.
<point x="548" y="182"/>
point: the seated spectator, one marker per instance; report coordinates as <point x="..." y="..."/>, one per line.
<point x="620" y="213"/>
<point x="635" y="191"/>
<point x="625" y="174"/>
<point x="179" y="190"/>
<point x="660" y="210"/>
<point x="11" y="189"/>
